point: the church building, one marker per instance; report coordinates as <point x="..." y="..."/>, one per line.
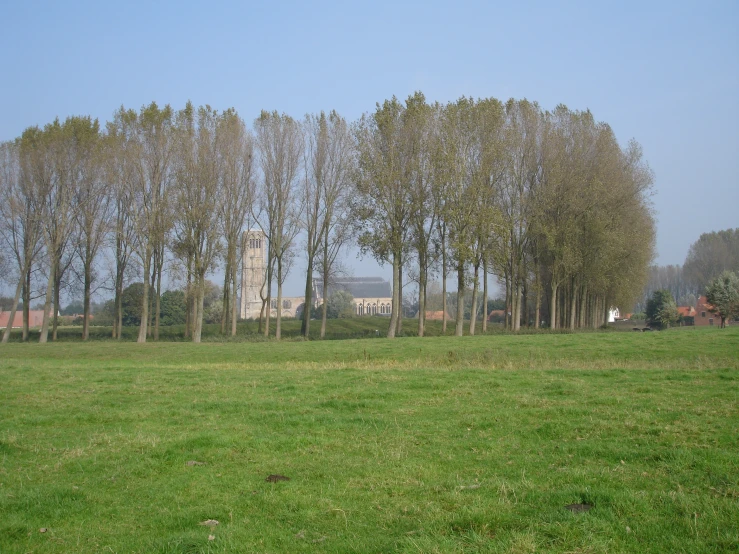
<point x="372" y="295"/>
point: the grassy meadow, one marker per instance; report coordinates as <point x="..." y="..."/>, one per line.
<point x="444" y="444"/>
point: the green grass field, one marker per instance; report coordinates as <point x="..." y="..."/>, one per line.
<point x="472" y="444"/>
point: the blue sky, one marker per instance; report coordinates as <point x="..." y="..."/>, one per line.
<point x="664" y="73"/>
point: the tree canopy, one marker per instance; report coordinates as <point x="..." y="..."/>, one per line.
<point x="723" y="294"/>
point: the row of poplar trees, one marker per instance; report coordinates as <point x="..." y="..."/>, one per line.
<point x="546" y="201"/>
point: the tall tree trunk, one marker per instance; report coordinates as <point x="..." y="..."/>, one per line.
<point x="515" y="300"/>
<point x="200" y="292"/>
<point x="562" y="308"/>
<point x="158" y="301"/>
<point x="226" y="296"/>
<point x="507" y="319"/>
<point x="116" y="334"/>
<point x="268" y="300"/>
<point x="86" y="299"/>
<point x="473" y="308"/>
<point x="143" y="326"/>
<point x="538" y="298"/>
<point x="261" y="316"/>
<point x="305" y="325"/>
<point x="421" y="299"/>
<point x="189" y="300"/>
<point x="396" y="302"/>
<point x="324" y="307"/>
<point x="118" y="303"/>
<point x="399" y="329"/>
<point x="44" y="335"/>
<point x="459" y="327"/>
<point x="6" y="333"/>
<point x="583" y="306"/>
<point x="26" y="305"/>
<point x="573" y="305"/>
<point x="278" y="321"/>
<point x="553" y="306"/>
<point x="484" y="295"/>
<point x="234" y="307"/>
<point x="443" y="286"/>
<point x="57" y="307"/>
<point x="152" y="284"/>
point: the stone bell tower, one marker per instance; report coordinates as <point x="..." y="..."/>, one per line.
<point x="254" y="273"/>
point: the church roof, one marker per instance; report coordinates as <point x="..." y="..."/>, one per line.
<point x="358" y="287"/>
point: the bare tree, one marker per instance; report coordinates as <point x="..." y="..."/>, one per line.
<point x="20" y="225"/>
<point x="52" y="157"/>
<point x="280" y="144"/>
<point x="382" y="206"/>
<point x="453" y="166"/>
<point x="329" y="158"/>
<point x="118" y="169"/>
<point x="93" y="215"/>
<point x="198" y="196"/>
<point x="147" y="142"/>
<point x="418" y="127"/>
<point x="710" y="255"/>
<point x="236" y="154"/>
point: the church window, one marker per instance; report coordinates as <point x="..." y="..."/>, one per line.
<point x="273" y="304"/>
<point x="287" y="304"/>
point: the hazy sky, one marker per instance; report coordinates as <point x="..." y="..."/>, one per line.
<point x="663" y="73"/>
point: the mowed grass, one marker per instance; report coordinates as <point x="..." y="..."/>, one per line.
<point x="472" y="444"/>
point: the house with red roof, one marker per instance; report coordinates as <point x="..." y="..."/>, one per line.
<point x="35" y="319"/>
<point x="703" y="314"/>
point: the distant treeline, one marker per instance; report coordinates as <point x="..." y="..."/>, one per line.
<point x="547" y="201"/>
<point x="707" y="258"/>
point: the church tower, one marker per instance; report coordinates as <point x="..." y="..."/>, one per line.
<point x="254" y="273"/>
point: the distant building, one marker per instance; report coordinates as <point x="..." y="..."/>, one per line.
<point x="496" y="316"/>
<point x="254" y="277"/>
<point x="703" y="314"/>
<point x="372" y="295"/>
<point x="435" y="315"/>
<point x="687" y="315"/>
<point x="35" y="319"/>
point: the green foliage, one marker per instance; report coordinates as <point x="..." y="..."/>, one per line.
<point x="723" y="294"/>
<point x="340" y="305"/>
<point x="73" y="308"/>
<point x="131" y="302"/>
<point x="172" y="308"/>
<point x="213" y="312"/>
<point x="6" y="304"/>
<point x="661" y="310"/>
<point x="212" y="293"/>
